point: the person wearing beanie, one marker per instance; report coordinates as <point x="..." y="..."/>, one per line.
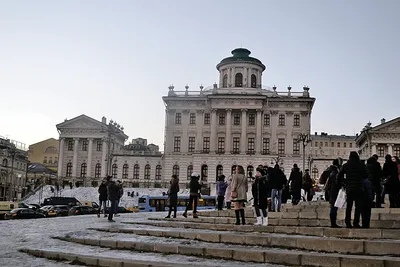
<point x="221" y="189"/>
<point x="194" y="187"/>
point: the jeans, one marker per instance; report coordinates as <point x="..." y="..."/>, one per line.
<point x="103" y="203"/>
<point x="357" y="197"/>
<point x="192" y="202"/>
<point x="263" y="210"/>
<point x="366" y="214"/>
<point x="333" y="214"/>
<point x="276" y="193"/>
<point x="220" y="200"/>
<point x="113" y="209"/>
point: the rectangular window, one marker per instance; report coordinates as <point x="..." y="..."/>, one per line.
<point x="296" y="120"/>
<point x="252" y="119"/>
<point x="267" y="119"/>
<point x="316" y="144"/>
<point x="351" y="145"/>
<point x="296" y="147"/>
<point x="45" y="160"/>
<point x="207" y="118"/>
<point x="250" y="145"/>
<point x="326" y="144"/>
<point x="221" y="119"/>
<point x="178" y="118"/>
<point x="396" y="151"/>
<point x="236" y="145"/>
<point x="206" y="144"/>
<point x="70" y="145"/>
<point x="221" y="145"/>
<point x="177" y="144"/>
<point x="51" y="160"/>
<point x="266" y="146"/>
<point x="338" y="144"/>
<point x="281" y="146"/>
<point x="381" y="151"/>
<point x="345" y="144"/>
<point x="192" y="118"/>
<point x="84" y="145"/>
<point x="320" y="144"/>
<point x="192" y="141"/>
<point x="333" y="144"/>
<point x="236" y="119"/>
<point x="281" y="119"/>
<point x="99" y="146"/>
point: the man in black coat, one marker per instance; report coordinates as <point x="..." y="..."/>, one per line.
<point x="374" y="171"/>
<point x="195" y="187"/>
<point x="102" y="198"/>
<point x="333" y="185"/>
<point x="113" y="193"/>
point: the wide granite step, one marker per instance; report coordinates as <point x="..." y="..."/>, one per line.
<point x="329" y="245"/>
<point x="292" y="230"/>
<point x="246" y="254"/>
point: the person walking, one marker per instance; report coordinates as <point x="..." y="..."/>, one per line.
<point x="308" y="185"/>
<point x="391" y="180"/>
<point x="112" y="193"/>
<point x="120" y="194"/>
<point x="355" y="172"/>
<point x="333" y="186"/>
<point x="295" y="181"/>
<point x="194" y="187"/>
<point x="102" y="198"/>
<point x="228" y="191"/>
<point x="221" y="190"/>
<point x="260" y="192"/>
<point x="173" y="195"/>
<point x="239" y="194"/>
<point x="277" y="181"/>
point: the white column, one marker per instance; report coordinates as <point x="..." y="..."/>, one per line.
<point x="390" y="149"/>
<point x="75" y="158"/>
<point x="373" y="150"/>
<point x="213" y="139"/>
<point x="244" y="132"/>
<point x="258" y="131"/>
<point x="228" y="137"/>
<point x="104" y="159"/>
<point x="246" y="81"/>
<point x="60" y="158"/>
<point x="89" y="161"/>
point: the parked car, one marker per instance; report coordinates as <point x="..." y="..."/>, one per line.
<point x="70" y="201"/>
<point x="120" y="210"/>
<point x="82" y="210"/>
<point x="58" y="210"/>
<point x="45" y="209"/>
<point x="24" y="213"/>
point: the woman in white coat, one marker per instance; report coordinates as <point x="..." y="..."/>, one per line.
<point x="228" y="197"/>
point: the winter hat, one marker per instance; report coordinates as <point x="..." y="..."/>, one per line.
<point x="195" y="174"/>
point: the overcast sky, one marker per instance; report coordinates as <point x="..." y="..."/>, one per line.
<point x="61" y="59"/>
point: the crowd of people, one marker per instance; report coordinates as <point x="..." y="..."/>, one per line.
<point x="112" y="191"/>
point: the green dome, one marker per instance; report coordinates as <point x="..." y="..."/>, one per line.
<point x="240" y="55"/>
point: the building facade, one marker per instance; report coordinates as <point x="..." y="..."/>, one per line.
<point x="14" y="161"/>
<point x="45" y="152"/>
<point x="91" y="149"/>
<point x="324" y="148"/>
<point x="235" y="122"/>
<point x="381" y="139"/>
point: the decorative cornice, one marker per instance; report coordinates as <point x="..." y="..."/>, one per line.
<point x="186" y="111"/>
<point x="289" y="113"/>
<point x="200" y="111"/>
<point x="304" y="113"/>
<point x="274" y="112"/>
<point x="244" y="109"/>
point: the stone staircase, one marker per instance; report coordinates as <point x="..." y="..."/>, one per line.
<point x="297" y="236"/>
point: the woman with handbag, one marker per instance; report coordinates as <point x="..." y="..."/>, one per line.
<point x="239" y="193"/>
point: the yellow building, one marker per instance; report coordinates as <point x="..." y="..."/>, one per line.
<point x="45" y="152"/>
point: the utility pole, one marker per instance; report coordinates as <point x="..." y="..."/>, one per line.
<point x="305" y="139"/>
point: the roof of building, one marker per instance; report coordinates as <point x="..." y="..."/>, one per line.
<point x="240" y="55"/>
<point x="39" y="168"/>
<point x="52" y="139"/>
<point x="333" y="136"/>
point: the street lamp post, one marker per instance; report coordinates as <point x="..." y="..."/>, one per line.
<point x="305" y="139"/>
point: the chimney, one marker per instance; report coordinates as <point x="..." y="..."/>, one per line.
<point x="104" y="120"/>
<point x="316" y="133"/>
<point x="383" y="121"/>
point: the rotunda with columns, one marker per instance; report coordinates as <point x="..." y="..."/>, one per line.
<point x="234" y="122"/>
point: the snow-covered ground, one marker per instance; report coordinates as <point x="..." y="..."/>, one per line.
<point x="91" y="194"/>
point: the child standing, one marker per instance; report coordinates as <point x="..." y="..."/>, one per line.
<point x="221" y="190"/>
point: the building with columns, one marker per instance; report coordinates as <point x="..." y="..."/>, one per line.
<point x="324" y="148"/>
<point x="91" y="149"/>
<point x="381" y="139"/>
<point x="234" y="122"/>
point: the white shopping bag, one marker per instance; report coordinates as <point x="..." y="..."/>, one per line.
<point x="341" y="199"/>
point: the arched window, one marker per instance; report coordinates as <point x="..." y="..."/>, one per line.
<point x="114" y="170"/>
<point x="220" y="170"/>
<point x="136" y="170"/>
<point x="147" y="169"/>
<point x="189" y="171"/>
<point x="69" y="170"/>
<point x="204" y="172"/>
<point x="158" y="172"/>
<point x="175" y="170"/>
<point x="253" y="81"/>
<point x="51" y="150"/>
<point x="238" y="80"/>
<point x="97" y="170"/>
<point x="233" y="169"/>
<point x="314" y="174"/>
<point x="225" y="81"/>
<point x="250" y="171"/>
<point x="83" y="170"/>
<point x="125" y="169"/>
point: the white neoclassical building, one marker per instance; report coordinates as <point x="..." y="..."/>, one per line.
<point x="381" y="139"/>
<point x="235" y="122"/>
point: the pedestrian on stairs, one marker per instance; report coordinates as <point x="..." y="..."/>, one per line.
<point x="173" y="195"/>
<point x="112" y="193"/>
<point x="194" y="187"/>
<point x="260" y="190"/>
<point x="102" y="198"/>
<point x="239" y="193"/>
<point x="332" y="187"/>
<point x="221" y="189"/>
<point x="228" y="197"/>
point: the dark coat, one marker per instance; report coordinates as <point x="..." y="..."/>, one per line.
<point x="112" y="191"/>
<point x="296" y="180"/>
<point x="221" y="188"/>
<point x="260" y="191"/>
<point x="333" y="185"/>
<point x="374" y="171"/>
<point x="391" y="176"/>
<point x="367" y="188"/>
<point x="194" y="186"/>
<point x="355" y="173"/>
<point x="102" y="192"/>
<point x="173" y="192"/>
<point x="307" y="182"/>
<point x="120" y="191"/>
<point x="276" y="178"/>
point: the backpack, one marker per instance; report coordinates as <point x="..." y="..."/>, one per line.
<point x="324" y="176"/>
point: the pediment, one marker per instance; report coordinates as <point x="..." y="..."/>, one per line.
<point x="392" y="126"/>
<point x="80" y="122"/>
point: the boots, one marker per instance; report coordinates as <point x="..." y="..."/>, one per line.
<point x="195" y="215"/>
<point x="242" y="215"/>
<point x="237" y="213"/>
<point x="184" y="214"/>
<point x="259" y="221"/>
<point x="265" y="221"/>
